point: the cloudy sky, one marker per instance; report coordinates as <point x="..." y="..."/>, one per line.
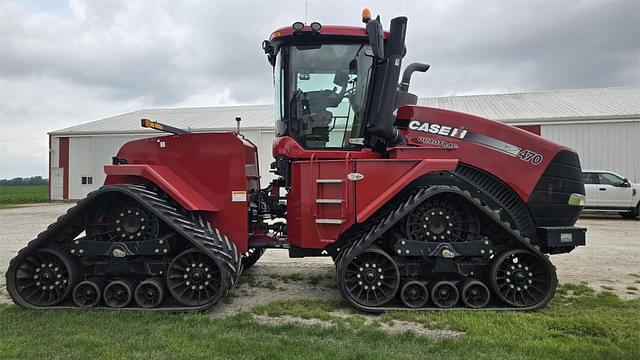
<point x="63" y="63"/>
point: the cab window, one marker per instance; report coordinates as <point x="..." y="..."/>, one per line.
<point x="610" y="179"/>
<point x="590" y="178"/>
<point x="327" y="92"/>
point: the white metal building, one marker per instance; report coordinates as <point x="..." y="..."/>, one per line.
<point x="603" y="125"/>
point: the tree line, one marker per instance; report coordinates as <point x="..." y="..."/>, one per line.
<point x="30" y="181"/>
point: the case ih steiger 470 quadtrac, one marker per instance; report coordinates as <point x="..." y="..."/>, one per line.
<point x="418" y="207"/>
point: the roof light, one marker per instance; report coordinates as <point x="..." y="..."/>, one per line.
<point x="297" y="26"/>
<point x="366" y="15"/>
<point x="315" y="26"/>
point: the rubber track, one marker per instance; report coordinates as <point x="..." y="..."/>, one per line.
<point x="191" y="226"/>
<point x="393" y="216"/>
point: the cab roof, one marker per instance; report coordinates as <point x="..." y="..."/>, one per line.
<point x="335" y="30"/>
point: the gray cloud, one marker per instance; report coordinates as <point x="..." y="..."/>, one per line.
<point x="68" y="63"/>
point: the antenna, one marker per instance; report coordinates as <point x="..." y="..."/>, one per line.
<point x="238" y="119"/>
<point x="306" y="11"/>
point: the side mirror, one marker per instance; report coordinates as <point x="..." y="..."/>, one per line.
<point x="341" y="79"/>
<point x="376" y="37"/>
<point x="625" y="183"/>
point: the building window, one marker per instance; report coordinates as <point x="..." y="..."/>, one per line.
<point x="87" y="180"/>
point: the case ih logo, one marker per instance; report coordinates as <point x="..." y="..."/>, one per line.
<point x="438" y="129"/>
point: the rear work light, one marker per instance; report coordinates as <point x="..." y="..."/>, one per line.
<point x="576" y="200"/>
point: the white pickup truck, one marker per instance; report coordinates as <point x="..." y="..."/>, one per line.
<point x="609" y="192"/>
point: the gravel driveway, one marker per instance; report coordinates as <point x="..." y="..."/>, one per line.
<point x="610" y="261"/>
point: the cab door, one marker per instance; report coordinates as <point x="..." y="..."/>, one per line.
<point x="612" y="191"/>
<point x="591" y="182"/>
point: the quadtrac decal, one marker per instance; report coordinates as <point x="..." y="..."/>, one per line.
<point x="436" y="142"/>
<point x="438" y="129"/>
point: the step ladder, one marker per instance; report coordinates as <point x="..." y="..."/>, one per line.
<point x="330" y="227"/>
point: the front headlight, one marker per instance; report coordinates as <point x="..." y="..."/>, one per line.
<point x="576" y="200"/>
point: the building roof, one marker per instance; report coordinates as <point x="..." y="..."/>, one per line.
<point x="561" y="106"/>
<point x="547" y="106"/>
<point x="197" y="118"/>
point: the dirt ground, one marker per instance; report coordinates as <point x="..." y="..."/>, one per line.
<point x="609" y="262"/>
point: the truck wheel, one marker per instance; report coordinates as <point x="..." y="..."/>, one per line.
<point x="633" y="214"/>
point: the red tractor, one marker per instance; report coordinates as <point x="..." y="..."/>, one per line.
<point x="418" y="207"/>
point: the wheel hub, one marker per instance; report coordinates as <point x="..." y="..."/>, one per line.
<point x="47" y="276"/>
<point x="474" y="294"/>
<point x="370" y="276"/>
<point x="413" y="294"/>
<point x="131" y="224"/>
<point x="197" y="276"/>
<point x="444" y="293"/>
<point x="120" y="294"/>
<point x="438" y="225"/>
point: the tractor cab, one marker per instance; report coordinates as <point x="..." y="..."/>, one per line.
<point x="321" y="78"/>
<point x="335" y="86"/>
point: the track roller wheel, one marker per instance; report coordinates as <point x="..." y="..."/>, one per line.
<point x="149" y="293"/>
<point x="118" y="293"/>
<point x="520" y="278"/>
<point x="88" y="293"/>
<point x="414" y="294"/>
<point x="444" y="294"/>
<point x="195" y="279"/>
<point x="475" y="294"/>
<point x="44" y="278"/>
<point x="251" y="257"/>
<point x="371" y="278"/>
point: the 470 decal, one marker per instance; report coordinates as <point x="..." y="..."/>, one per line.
<point x="530" y="156"/>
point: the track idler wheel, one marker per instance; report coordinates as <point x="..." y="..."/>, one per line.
<point x="149" y="293"/>
<point x="444" y="294"/>
<point x="194" y="279"/>
<point x="118" y="293"/>
<point x="44" y="278"/>
<point x="475" y="294"/>
<point x="414" y="294"/>
<point x="371" y="278"/>
<point x="520" y="278"/>
<point x="88" y="293"/>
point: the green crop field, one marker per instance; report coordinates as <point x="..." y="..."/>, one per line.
<point x="11" y="195"/>
<point x="578" y="324"/>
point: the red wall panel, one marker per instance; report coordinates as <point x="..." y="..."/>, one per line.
<point x="530" y="128"/>
<point x="63" y="162"/>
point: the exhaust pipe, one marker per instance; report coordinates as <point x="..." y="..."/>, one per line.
<point x="387" y="85"/>
<point x="408" y="71"/>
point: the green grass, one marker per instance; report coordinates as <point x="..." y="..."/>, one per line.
<point x="12" y="195"/>
<point x="578" y="324"/>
